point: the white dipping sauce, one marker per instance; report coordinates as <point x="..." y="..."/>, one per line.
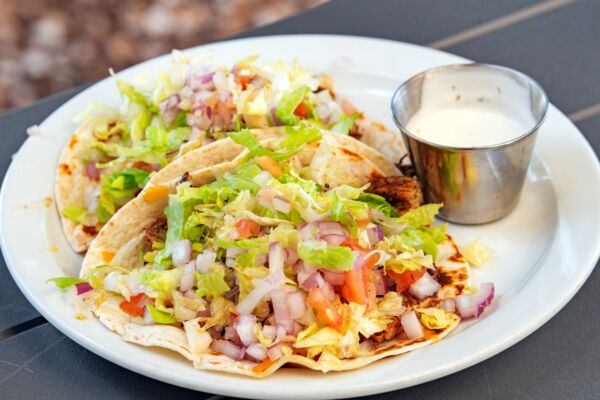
<point x="473" y="110"/>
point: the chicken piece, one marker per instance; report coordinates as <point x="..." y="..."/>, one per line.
<point x="157" y="232"/>
<point x="402" y="192"/>
<point x="390" y="332"/>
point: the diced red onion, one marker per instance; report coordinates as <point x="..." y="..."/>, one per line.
<point x="83" y="287"/>
<point x="325" y="287"/>
<point x="323" y="112"/>
<point x="448" y="305"/>
<point x="282" y="204"/>
<point x="323" y="96"/>
<point x="275" y="118"/>
<point x="275" y="258"/>
<point x="365" y="346"/>
<point x="381" y="284"/>
<point x="296" y="304"/>
<point x="307" y="280"/>
<point x="471" y="306"/>
<point x="411" y="325"/>
<point x="234" y="251"/>
<point x="307" y="318"/>
<point x="275" y="353"/>
<point x="232" y="335"/>
<point x="148" y="320"/>
<point x="229" y="349"/>
<point x="291" y="257"/>
<point x="281" y="310"/>
<point x="256" y="352"/>
<point x="330" y="228"/>
<point x="92" y="171"/>
<point x="309" y="231"/>
<point x="245" y="328"/>
<point x="359" y="261"/>
<point x="336" y="278"/>
<point x="169" y="108"/>
<point x="261" y="289"/>
<point x="258" y="82"/>
<point x="334" y="240"/>
<point x="187" y="279"/>
<point x="205" y="260"/>
<point x="182" y="252"/>
<point x="426" y="286"/>
<point x="270" y="331"/>
<point x="375" y="235"/>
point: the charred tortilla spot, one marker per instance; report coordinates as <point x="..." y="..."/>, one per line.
<point x="64" y="168"/>
<point x="351" y="154"/>
<point x="73" y="141"/>
<point x="90" y="230"/>
<point x="444" y="277"/>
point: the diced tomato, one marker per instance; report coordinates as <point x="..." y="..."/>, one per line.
<point x="135" y="305"/>
<point x="243" y="80"/>
<point x="353" y="244"/>
<point x="406" y="279"/>
<point x="302" y="110"/>
<point x="326" y="311"/>
<point x="269" y="165"/>
<point x="246" y="228"/>
<point x="358" y="286"/>
<point x="154" y="193"/>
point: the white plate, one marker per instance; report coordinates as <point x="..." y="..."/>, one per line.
<point x="544" y="250"/>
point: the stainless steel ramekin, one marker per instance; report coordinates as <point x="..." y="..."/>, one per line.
<point x="476" y="184"/>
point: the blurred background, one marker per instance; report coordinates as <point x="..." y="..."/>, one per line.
<point x="50" y="45"/>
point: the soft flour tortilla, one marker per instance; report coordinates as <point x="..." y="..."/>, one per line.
<point x="73" y="186"/>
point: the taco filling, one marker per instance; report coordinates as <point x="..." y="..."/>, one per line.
<point x="266" y="266"/>
<point x="116" y="151"/>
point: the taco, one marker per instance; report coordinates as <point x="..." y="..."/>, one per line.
<point x="264" y="261"/>
<point x="114" y="153"/>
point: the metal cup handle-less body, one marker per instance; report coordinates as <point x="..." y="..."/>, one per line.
<point x="476" y="185"/>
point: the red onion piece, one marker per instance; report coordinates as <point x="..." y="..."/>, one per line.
<point x="325" y="287"/>
<point x="205" y="260"/>
<point x="231" y="350"/>
<point x="275" y="258"/>
<point x="83" y="287"/>
<point x="381" y="283"/>
<point x="187" y="279"/>
<point x="276" y="120"/>
<point x="336" y="278"/>
<point x="92" y="171"/>
<point x="244" y="327"/>
<point x="359" y="261"/>
<point x="182" y="252"/>
<point x="307" y="280"/>
<point x="426" y="286"/>
<point x="334" y="240"/>
<point x="365" y="346"/>
<point x="281" y="310"/>
<point x="330" y="228"/>
<point x="282" y="204"/>
<point x="270" y="331"/>
<point x="375" y="235"/>
<point x="256" y="352"/>
<point x="411" y="325"/>
<point x="291" y="256"/>
<point x="323" y="112"/>
<point x="448" y="305"/>
<point x="309" y="231"/>
<point x="275" y="352"/>
<point x="259" y="292"/>
<point x="471" y="306"/>
<point x="232" y="335"/>
<point x="296" y="304"/>
<point x="169" y="108"/>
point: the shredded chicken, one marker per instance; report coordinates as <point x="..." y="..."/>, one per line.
<point x="402" y="192"/>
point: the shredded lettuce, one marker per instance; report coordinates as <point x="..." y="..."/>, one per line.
<point x="65" y="282"/>
<point x="378" y="203"/>
<point x="420" y="216"/>
<point x="436" y="318"/>
<point x="175" y="213"/>
<point x="476" y="253"/>
<point x="160" y="316"/>
<point x="316" y="253"/>
<point x="426" y="239"/>
<point x="211" y="284"/>
<point x="345" y="123"/>
<point x="75" y="213"/>
<point x="162" y="281"/>
<point x="288" y="104"/>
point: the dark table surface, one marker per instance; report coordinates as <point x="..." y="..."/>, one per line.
<point x="554" y="41"/>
